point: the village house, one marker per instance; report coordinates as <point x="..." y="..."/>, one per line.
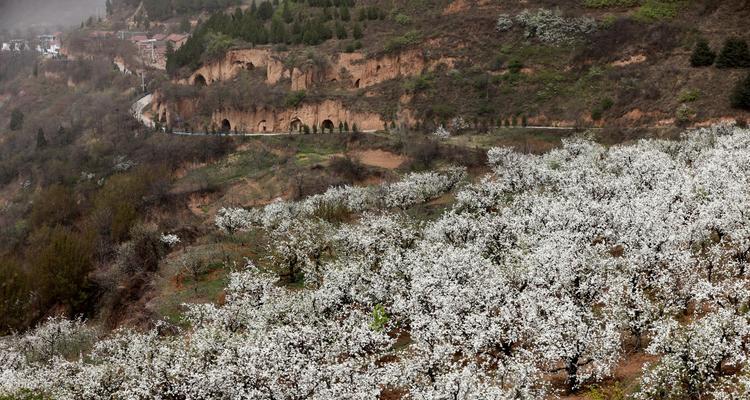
<point x="178" y="39"/>
<point x="49" y="45"/>
<point x="16" y="45"/>
<point x="153" y="51"/>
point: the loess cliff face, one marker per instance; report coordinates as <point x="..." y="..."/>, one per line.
<point x="230" y="66"/>
<point x="327" y="115"/>
<point x="350" y="70"/>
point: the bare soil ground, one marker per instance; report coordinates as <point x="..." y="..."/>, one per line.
<point x="379" y="158"/>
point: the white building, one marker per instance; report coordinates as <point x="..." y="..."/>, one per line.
<point x="49" y="45"/>
<point x="16" y="45"/>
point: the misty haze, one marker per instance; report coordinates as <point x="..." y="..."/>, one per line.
<point x="20" y="14"/>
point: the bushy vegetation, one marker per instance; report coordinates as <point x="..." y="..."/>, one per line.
<point x="659" y="10"/>
<point x="610" y="3"/>
<point x="87" y="174"/>
<point x="277" y="23"/>
<point x="702" y="55"/>
<point x="551" y="264"/>
<point x="734" y="54"/>
<point x="163" y="9"/>
<point x="741" y="94"/>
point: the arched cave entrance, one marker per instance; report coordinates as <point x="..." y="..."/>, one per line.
<point x="295" y="125"/>
<point x="226" y="126"/>
<point x="199" y="80"/>
<point x="327" y="124"/>
<point x="262" y="126"/>
<point x="356" y="84"/>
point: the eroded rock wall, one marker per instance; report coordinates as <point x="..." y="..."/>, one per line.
<point x="231" y="65"/>
<point x="349" y="70"/>
<point x="166" y="112"/>
<point x="327" y="113"/>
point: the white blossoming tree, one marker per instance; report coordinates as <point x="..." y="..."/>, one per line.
<point x="547" y="265"/>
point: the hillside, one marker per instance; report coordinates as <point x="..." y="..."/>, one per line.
<point x="375" y="199"/>
<point x="418" y="66"/>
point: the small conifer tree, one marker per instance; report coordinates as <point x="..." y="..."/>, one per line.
<point x="741" y="94"/>
<point x="41" y="141"/>
<point x="734" y="54"/>
<point x="357" y="31"/>
<point x="702" y="55"/>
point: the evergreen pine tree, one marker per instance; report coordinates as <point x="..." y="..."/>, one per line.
<point x="16" y="120"/>
<point x="702" y="56"/>
<point x="357" y="31"/>
<point x="41" y="141"/>
<point x="265" y="11"/>
<point x="286" y="15"/>
<point x="341" y="31"/>
<point x="344" y="13"/>
<point x="734" y="54"/>
<point x="741" y="94"/>
<point x="278" y="31"/>
<point x="185" y="25"/>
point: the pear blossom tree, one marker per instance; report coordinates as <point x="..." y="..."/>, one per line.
<point x="549" y="264"/>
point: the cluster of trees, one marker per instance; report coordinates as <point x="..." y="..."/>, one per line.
<point x="548" y="265"/>
<point x="163" y="9"/>
<point x="283" y="23"/>
<point x="76" y="205"/>
<point x="734" y="54"/>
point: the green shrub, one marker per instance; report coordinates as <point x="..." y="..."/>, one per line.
<point x="25" y="395"/>
<point x="596" y="114"/>
<point x="497" y="63"/>
<point x="689" y="95"/>
<point x="217" y="44"/>
<point x="295" y="98"/>
<point x="658" y="10"/>
<point x="357" y="31"/>
<point x="702" y="55"/>
<point x="734" y="54"/>
<point x="684" y="114"/>
<point x="609" y="3"/>
<point x="515" y="66"/>
<point x="16" y="120"/>
<point x="741" y="94"/>
<point x="402" y="19"/>
<point x="598" y="111"/>
<point x="400" y="42"/>
<point x="341" y="32"/>
<point x="418" y="83"/>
